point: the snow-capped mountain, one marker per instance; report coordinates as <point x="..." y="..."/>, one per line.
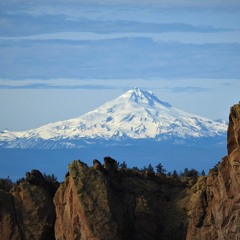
<point x="137" y="114"/>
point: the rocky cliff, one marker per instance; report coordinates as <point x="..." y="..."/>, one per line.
<point x="27" y="212"/>
<point x="215" y="203"/>
<point x="104" y="202"/>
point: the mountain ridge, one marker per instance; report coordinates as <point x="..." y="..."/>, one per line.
<point x="136" y="114"/>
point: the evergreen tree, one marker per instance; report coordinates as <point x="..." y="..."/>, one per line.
<point x="190" y="173"/>
<point x="175" y="174"/>
<point x="144" y="168"/>
<point x="185" y="172"/>
<point x="216" y="167"/>
<point x="160" y="169"/>
<point x="50" y="178"/>
<point x="193" y="173"/>
<point x="123" y="165"/>
<point x="6" y="184"/>
<point x="150" y="168"/>
<point x="135" y="168"/>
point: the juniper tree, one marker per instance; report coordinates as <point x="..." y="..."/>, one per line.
<point x="160" y="169"/>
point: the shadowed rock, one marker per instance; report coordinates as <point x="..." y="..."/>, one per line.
<point x="123" y="204"/>
<point x="9" y="228"/>
<point x="27" y="212"/>
<point x="35" y="177"/>
<point x="110" y="164"/>
<point x="120" y="204"/>
<point x="215" y="205"/>
<point x="97" y="165"/>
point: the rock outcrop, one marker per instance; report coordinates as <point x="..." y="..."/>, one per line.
<point x="27" y="212"/>
<point x="119" y="204"/>
<point x="104" y="202"/>
<point x="215" y="203"/>
<point x="8" y="223"/>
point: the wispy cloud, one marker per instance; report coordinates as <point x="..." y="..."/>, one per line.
<point x="227" y="84"/>
<point x="189" y="89"/>
<point x="186" y="37"/>
<point x="118" y="39"/>
<point x="29" y="25"/>
<point x="121" y="58"/>
<point x="50" y="86"/>
<point x="173" y="86"/>
<point x="154" y="3"/>
<point x="57" y="52"/>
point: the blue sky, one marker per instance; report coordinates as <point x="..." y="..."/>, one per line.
<point x="60" y="59"/>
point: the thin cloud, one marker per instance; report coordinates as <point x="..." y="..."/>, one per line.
<point x="118" y="59"/>
<point x="49" y="86"/>
<point x="189" y="89"/>
<point x="58" y="24"/>
<point x="153" y="3"/>
<point x="181" y="37"/>
<point x="227" y="84"/>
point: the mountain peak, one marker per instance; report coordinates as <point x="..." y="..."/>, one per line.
<point x="139" y="96"/>
<point x="137" y="114"/>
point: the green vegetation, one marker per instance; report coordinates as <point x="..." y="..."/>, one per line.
<point x="135" y="169"/>
<point x="203" y="173"/>
<point x="122" y="165"/>
<point x="73" y="167"/>
<point x="190" y="173"/>
<point x="160" y="169"/>
<point x="50" y="178"/>
<point x="6" y="184"/>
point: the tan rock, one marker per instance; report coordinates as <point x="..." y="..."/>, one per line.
<point x="97" y="165"/>
<point x="35" y="212"/>
<point x="27" y="212"/>
<point x="9" y="229"/>
<point x="82" y="206"/>
<point x="122" y="204"/>
<point x="216" y="213"/>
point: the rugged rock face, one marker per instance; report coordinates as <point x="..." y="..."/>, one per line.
<point x="119" y="204"/>
<point x="8" y="222"/>
<point x="106" y="203"/>
<point x="215" y="205"/>
<point x="27" y="212"/>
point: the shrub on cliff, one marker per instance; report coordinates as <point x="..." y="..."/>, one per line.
<point x="135" y="168"/>
<point x="192" y="173"/>
<point x="175" y="174"/>
<point x="122" y="165"/>
<point x="6" y="184"/>
<point x="50" y="178"/>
